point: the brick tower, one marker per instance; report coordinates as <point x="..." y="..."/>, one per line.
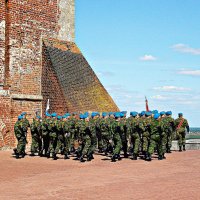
<point x="39" y="61"/>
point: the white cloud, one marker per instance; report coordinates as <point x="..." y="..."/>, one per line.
<point x="172" y="89"/>
<point x="105" y="74"/>
<point x="190" y="72"/>
<point x="185" y="49"/>
<point x="159" y="97"/>
<point x="148" y="58"/>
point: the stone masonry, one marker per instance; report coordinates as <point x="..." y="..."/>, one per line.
<point x="39" y="61"/>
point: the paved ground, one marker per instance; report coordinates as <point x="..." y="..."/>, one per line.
<point x="176" y="178"/>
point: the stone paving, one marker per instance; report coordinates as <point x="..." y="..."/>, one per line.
<point x="176" y="178"/>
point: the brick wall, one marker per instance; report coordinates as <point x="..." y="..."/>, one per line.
<point x="2" y="39"/>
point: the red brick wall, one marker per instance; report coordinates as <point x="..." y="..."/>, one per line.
<point x="2" y="39"/>
<point x="6" y="136"/>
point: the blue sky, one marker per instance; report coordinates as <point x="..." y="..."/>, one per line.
<point x="144" y="48"/>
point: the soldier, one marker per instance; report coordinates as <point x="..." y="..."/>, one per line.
<point x="92" y="127"/>
<point x="145" y="117"/>
<point x="169" y="130"/>
<point x="123" y="134"/>
<point x="25" y="126"/>
<point x="21" y="138"/>
<point x="36" y="145"/>
<point x="52" y="137"/>
<point x="45" y="134"/>
<point x="67" y="135"/>
<point x="181" y="126"/>
<point x="84" y="138"/>
<point x="105" y="132"/>
<point x="134" y="131"/>
<point x="60" y="135"/>
<point x="116" y="132"/>
<point x="155" y="138"/>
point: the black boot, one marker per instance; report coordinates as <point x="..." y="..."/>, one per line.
<point x="54" y="156"/>
<point x="66" y="157"/>
<point x="163" y="156"/>
<point x="47" y="155"/>
<point x="72" y="150"/>
<point x="15" y="151"/>
<point x="180" y="148"/>
<point x="135" y="156"/>
<point x="17" y="156"/>
<point x="113" y="158"/>
<point x="184" y="148"/>
<point x="148" y="157"/>
<point x="169" y="151"/>
<point x="160" y="157"/>
<point x="23" y="154"/>
<point x="82" y="159"/>
<point x="89" y="158"/>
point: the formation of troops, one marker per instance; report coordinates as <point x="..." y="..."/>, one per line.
<point x="110" y="134"/>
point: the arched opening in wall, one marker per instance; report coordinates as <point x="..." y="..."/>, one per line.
<point x="7" y="46"/>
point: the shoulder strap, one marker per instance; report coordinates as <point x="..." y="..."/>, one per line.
<point x="180" y="124"/>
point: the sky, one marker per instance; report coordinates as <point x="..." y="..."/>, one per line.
<point x="142" y="48"/>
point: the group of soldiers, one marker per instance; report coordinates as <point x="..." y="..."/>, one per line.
<point x="82" y="135"/>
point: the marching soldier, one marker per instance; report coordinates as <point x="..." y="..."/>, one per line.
<point x="181" y="127"/>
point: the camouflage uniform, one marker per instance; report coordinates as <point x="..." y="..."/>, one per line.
<point x="105" y="132"/>
<point x="25" y="126"/>
<point x="45" y="135"/>
<point x="67" y="138"/>
<point x="123" y="135"/>
<point x="181" y="131"/>
<point x="60" y="136"/>
<point x="117" y="129"/>
<point x="156" y="138"/>
<point x="36" y="145"/>
<point x="134" y="131"/>
<point x="21" y="138"/>
<point x="53" y="138"/>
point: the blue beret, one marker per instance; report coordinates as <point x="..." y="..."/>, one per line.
<point x="67" y="115"/>
<point x="20" y="117"/>
<point x="148" y="114"/>
<point x="93" y="114"/>
<point x="104" y="114"/>
<point x="124" y="112"/>
<point x="24" y="113"/>
<point x="111" y="113"/>
<point x="54" y="114"/>
<point x="180" y="114"/>
<point x="156" y="116"/>
<point x="155" y="111"/>
<point x="142" y="113"/>
<point x="59" y="117"/>
<point x="86" y="114"/>
<point x="133" y="114"/>
<point x="162" y="113"/>
<point x="117" y="115"/>
<point x="169" y="113"/>
<point x="82" y="116"/>
<point x="38" y="117"/>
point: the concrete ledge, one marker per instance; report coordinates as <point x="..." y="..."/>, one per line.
<point x="193" y="144"/>
<point x="27" y="97"/>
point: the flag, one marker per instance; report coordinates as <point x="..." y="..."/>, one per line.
<point x="47" y="108"/>
<point x="147" y="106"/>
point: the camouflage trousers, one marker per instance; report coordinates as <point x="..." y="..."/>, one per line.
<point x="117" y="144"/>
<point x="135" y="142"/>
<point x="124" y="142"/>
<point x="181" y="138"/>
<point x="84" y="147"/>
<point x="52" y="142"/>
<point x="169" y="140"/>
<point x="67" y="144"/>
<point x="93" y="144"/>
<point x="156" y="142"/>
<point x="36" y="145"/>
<point x="45" y="142"/>
<point x="21" y="145"/>
<point x="60" y="143"/>
<point x="145" y="141"/>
